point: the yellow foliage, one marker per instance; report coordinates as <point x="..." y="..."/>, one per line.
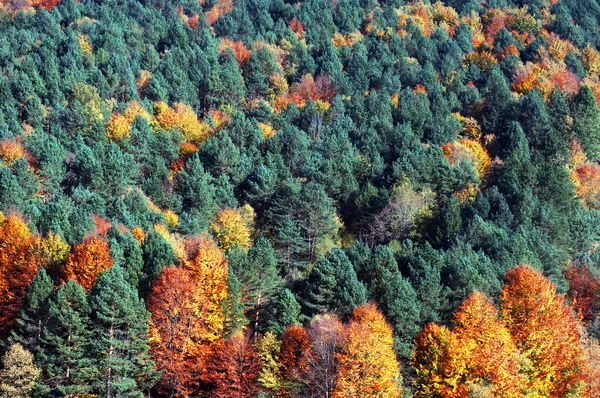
<point x="85" y="46"/>
<point x="183" y="118"/>
<point x="470" y="150"/>
<point x="395" y="100"/>
<point x="210" y="271"/>
<point x="367" y="364"/>
<point x="53" y="250"/>
<point x="118" y="127"/>
<point x="174" y="240"/>
<point x="230" y="228"/>
<point x="267" y="130"/>
<point x="171" y="218"/>
<point x="138" y="234"/>
<point x="11" y="151"/>
<point x="144" y="79"/>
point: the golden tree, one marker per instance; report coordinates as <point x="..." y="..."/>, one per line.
<point x="367" y="365"/>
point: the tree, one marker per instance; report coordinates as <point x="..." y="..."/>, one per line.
<point x="87" y="261"/>
<point x="292" y="357"/>
<point x="285" y="311"/>
<point x="488" y="353"/>
<point x="177" y="331"/>
<point x="18" y="376"/>
<point x="544" y="328"/>
<point x="157" y="253"/>
<point x="120" y="344"/>
<point x="209" y="270"/>
<point x="233" y="367"/>
<point x="326" y="336"/>
<point x="18" y="267"/>
<point x="586" y="121"/>
<point x="230" y="228"/>
<point x="367" y="364"/>
<point x="34" y="313"/>
<point x="269" y="376"/>
<point x="63" y="352"/>
<point x="332" y="284"/>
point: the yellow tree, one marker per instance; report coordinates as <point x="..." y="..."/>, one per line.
<point x="209" y="270"/>
<point x="230" y="228"/>
<point x="367" y="364"/>
<point x="545" y="329"/>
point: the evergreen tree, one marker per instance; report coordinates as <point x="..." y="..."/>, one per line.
<point x="65" y="356"/>
<point x="120" y="344"/>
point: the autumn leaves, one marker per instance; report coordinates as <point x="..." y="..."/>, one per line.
<point x="532" y="347"/>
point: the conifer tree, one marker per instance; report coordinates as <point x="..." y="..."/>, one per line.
<point x="120" y="343"/>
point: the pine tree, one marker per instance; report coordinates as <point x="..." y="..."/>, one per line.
<point x="34" y="313"/>
<point x="284" y="312"/>
<point x="64" y="354"/>
<point x="120" y="344"/>
<point x="332" y="284"/>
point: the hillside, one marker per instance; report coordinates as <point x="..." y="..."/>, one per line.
<point x="322" y="198"/>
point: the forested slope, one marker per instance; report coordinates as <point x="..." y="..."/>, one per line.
<point x="301" y="199"/>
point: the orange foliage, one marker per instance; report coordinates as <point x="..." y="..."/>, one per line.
<point x="220" y="9"/>
<point x="470" y="150"/>
<point x="242" y="54"/>
<point x="118" y="127"/>
<point x="138" y="234"/>
<point x="544" y="329"/>
<point x="508" y="51"/>
<point x="484" y="60"/>
<point x="297" y="28"/>
<point x="176" y="331"/>
<point x="87" y="261"/>
<point x="10" y="151"/>
<point x="319" y="89"/>
<point x="294" y="344"/>
<point x="584" y="291"/>
<point x="367" y="363"/>
<point x="586" y="179"/>
<point x="420" y="89"/>
<point x="209" y="270"/>
<point x="234" y="367"/>
<point x="526" y="79"/>
<point x="478" y="353"/>
<point x="489" y="352"/>
<point x="19" y="261"/>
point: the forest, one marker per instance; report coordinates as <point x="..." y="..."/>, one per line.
<point x="308" y="198"/>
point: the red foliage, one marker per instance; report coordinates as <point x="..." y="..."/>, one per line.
<point x="175" y="332"/>
<point x="47" y="4"/>
<point x="242" y="54"/>
<point x="566" y="81"/>
<point x="319" y="89"/>
<point x="193" y="21"/>
<point x="101" y="225"/>
<point x="294" y="344"/>
<point x="18" y="266"/>
<point x="584" y="291"/>
<point x="420" y="89"/>
<point x="233" y="367"/>
<point x="296" y="27"/>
